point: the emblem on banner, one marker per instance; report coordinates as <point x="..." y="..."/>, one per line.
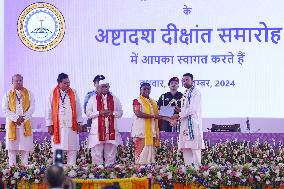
<point x="41" y="26"/>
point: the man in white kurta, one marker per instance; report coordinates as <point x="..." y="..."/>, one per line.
<point x="102" y="143"/>
<point x="21" y="144"/>
<point x="191" y="134"/>
<point x="69" y="139"/>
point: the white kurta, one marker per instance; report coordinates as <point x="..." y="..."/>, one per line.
<point x="194" y="110"/>
<point x="24" y="143"/>
<point x="92" y="113"/>
<point x="69" y="139"/>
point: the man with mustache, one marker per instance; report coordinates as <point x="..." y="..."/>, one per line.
<point x="64" y="118"/>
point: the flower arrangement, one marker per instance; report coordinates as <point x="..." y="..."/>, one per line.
<point x="228" y="163"/>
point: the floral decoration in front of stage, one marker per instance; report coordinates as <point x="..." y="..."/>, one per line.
<point x="228" y="163"/>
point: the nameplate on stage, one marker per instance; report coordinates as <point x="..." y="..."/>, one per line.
<point x="167" y="111"/>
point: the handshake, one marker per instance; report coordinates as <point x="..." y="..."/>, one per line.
<point x="173" y="120"/>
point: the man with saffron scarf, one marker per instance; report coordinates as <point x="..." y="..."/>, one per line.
<point x="64" y="118"/>
<point x="145" y="131"/>
<point x="18" y="107"/>
<point x="191" y="134"/>
<point x="104" y="109"/>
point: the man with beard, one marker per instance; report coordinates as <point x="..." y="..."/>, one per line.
<point x="171" y="98"/>
<point x="191" y="134"/>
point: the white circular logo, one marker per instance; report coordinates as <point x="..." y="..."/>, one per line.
<point x="41" y="26"/>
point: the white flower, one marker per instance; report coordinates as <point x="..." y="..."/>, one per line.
<point x="84" y="176"/>
<point x="159" y="177"/>
<point x="229" y="172"/>
<point x="238" y="174"/>
<point x="134" y="175"/>
<point x="257" y="178"/>
<point x="149" y="175"/>
<point x="36" y="171"/>
<point x="36" y="181"/>
<point x="206" y="173"/>
<point x="16" y="175"/>
<point x="183" y="169"/>
<point x="100" y="167"/>
<point x="267" y="182"/>
<point x="170" y="176"/>
<point x="72" y="174"/>
<point x="219" y="175"/>
<point x="112" y="175"/>
<point x="49" y="161"/>
<point x="91" y="176"/>
<point x="197" y="168"/>
<point x="277" y="179"/>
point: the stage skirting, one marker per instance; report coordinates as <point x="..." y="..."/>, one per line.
<point x="211" y="137"/>
<point x="127" y="183"/>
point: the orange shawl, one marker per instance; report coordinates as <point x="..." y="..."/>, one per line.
<point x="55" y="111"/>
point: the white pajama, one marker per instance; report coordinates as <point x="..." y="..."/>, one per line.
<point x="104" y="152"/>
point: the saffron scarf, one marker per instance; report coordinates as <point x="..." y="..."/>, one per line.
<point x="55" y="111"/>
<point x="148" y="121"/>
<point x="101" y="119"/>
<point x="12" y="107"/>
